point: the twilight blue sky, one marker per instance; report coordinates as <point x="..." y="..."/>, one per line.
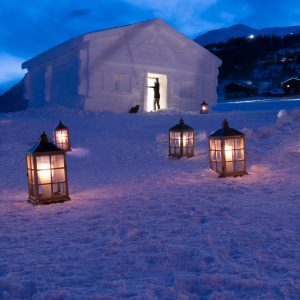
<point x="28" y="27"/>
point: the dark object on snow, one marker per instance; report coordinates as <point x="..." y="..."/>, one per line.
<point x="13" y="99"/>
<point x="235" y="90"/>
<point x="134" y="109"/>
<point x="291" y="86"/>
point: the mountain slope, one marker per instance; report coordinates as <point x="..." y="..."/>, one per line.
<point x="240" y="30"/>
<point x="13" y="99"/>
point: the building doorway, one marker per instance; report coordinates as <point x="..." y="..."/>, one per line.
<point x="151" y="79"/>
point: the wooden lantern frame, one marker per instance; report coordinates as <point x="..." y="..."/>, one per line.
<point x="62" y="137"/>
<point x="203" y="108"/>
<point x="181" y="140"/>
<point x="47" y="173"/>
<point x="227" y="152"/>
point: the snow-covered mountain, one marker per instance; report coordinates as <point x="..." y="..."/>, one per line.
<point x="240" y="30"/>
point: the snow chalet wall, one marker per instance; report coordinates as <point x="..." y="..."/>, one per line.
<point x="111" y="70"/>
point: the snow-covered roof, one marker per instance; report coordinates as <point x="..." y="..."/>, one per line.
<point x="67" y="45"/>
<point x="291" y="79"/>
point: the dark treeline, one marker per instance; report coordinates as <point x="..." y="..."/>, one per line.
<point x="241" y="54"/>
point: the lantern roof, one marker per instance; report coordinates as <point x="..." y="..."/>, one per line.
<point x="181" y="126"/>
<point x="61" y="126"/>
<point x="226" y="131"/>
<point x="204" y="103"/>
<point x="44" y="146"/>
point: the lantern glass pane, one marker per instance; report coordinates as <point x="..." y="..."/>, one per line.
<point x="229" y="149"/>
<point x="45" y="190"/>
<point x="28" y="159"/>
<point x="61" y="136"/>
<point x="239" y="154"/>
<point x="57" y="161"/>
<point x="218" y="145"/>
<point x="239" y="143"/>
<point x="229" y="167"/>
<point x="212" y="144"/>
<point x="43" y="162"/>
<point x="185" y="139"/>
<point x="229" y="155"/>
<point x="44" y="176"/>
<point x="213" y="155"/>
<point x="44" y="171"/>
<point x="59" y="189"/>
<point x="177" y="135"/>
<point x="58" y="175"/>
<point x="218" y="156"/>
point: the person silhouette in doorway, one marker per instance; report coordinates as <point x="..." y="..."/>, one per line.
<point x="156" y="94"/>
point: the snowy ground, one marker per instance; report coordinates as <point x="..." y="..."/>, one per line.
<point x="143" y="226"/>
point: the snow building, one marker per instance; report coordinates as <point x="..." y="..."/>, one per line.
<point x="112" y="69"/>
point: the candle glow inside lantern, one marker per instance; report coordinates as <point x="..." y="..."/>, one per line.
<point x="62" y="137"/>
<point x="227" y="152"/>
<point x="203" y="108"/>
<point x="181" y="140"/>
<point x="47" y="173"/>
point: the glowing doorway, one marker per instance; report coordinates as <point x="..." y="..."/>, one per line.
<point x="151" y="79"/>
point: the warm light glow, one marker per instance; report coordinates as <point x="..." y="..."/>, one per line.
<point x="287" y="85"/>
<point x="44" y="177"/>
<point x="61" y="137"/>
<point x="44" y="173"/>
<point x="184" y="140"/>
<point x="228" y="153"/>
<point x="150" y="92"/>
<point x="204" y="107"/>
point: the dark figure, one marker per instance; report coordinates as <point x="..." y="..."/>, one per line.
<point x="134" y="109"/>
<point x="156" y="94"/>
